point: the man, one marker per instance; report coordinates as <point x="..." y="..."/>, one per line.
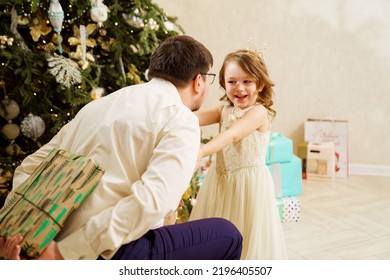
<point x="147" y="140"/>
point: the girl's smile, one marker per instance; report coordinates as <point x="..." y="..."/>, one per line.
<point x="241" y="88"/>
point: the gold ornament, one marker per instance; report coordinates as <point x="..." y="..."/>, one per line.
<point x="89" y="42"/>
<point x="97" y="93"/>
<point x="13" y="150"/>
<point x="9" y="109"/>
<point x="106" y="45"/>
<point x="39" y="27"/>
<point x="133" y="74"/>
<point x="50" y="47"/>
<point x="56" y="39"/>
<point x="102" y="32"/>
<point x="11" y="131"/>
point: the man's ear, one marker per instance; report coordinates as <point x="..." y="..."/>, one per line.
<point x="197" y="83"/>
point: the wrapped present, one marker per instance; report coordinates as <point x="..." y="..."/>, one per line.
<point x="302" y="154"/>
<point x="39" y="207"/>
<point x="318" y="130"/>
<point x="280" y="149"/>
<point x="287" y="177"/>
<point x="320" y="160"/>
<point x="289" y="209"/>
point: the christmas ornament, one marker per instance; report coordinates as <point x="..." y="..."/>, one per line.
<point x="97" y="93"/>
<point x="102" y="32"/>
<point x="65" y="70"/>
<point x="9" y="109"/>
<point x="56" y="17"/>
<point x="32" y="126"/>
<point x="169" y="25"/>
<point x="76" y="39"/>
<point x="193" y="201"/>
<point x="56" y="39"/>
<point x="153" y="25"/>
<point x="133" y="74"/>
<point x="83" y="38"/>
<point x="99" y="12"/>
<point x="39" y="28"/>
<point x="13" y="150"/>
<point x="6" y="41"/>
<point x="14" y="28"/>
<point x="11" y="131"/>
<point x="134" y="20"/>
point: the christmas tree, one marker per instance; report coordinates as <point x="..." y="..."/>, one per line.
<point x="56" y="56"/>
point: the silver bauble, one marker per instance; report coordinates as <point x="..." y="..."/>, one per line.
<point x="32" y="126"/>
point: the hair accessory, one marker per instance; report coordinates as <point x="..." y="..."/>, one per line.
<point x="252" y="48"/>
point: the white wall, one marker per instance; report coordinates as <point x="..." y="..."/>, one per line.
<point x="328" y="59"/>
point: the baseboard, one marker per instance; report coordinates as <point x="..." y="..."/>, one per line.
<point x="369" y="170"/>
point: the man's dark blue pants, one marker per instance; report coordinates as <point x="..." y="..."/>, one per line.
<point x="206" y="239"/>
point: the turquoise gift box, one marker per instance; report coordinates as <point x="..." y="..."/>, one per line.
<point x="280" y="149"/>
<point x="287" y="177"/>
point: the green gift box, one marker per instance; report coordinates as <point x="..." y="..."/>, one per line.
<point x="40" y="206"/>
<point x="287" y="177"/>
<point x="280" y="149"/>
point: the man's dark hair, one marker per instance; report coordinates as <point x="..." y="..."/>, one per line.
<point x="179" y="59"/>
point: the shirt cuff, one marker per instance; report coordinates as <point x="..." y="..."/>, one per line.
<point x="76" y="247"/>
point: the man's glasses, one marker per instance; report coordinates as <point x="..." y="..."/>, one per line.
<point x="211" y="77"/>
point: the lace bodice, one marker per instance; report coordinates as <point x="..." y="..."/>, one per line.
<point x="250" y="151"/>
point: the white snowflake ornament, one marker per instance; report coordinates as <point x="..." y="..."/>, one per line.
<point x="32" y="126"/>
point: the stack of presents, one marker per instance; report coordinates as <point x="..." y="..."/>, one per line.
<point x="322" y="155"/>
<point x="286" y="170"/>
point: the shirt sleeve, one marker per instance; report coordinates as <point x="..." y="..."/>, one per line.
<point x="31" y="162"/>
<point x="156" y="193"/>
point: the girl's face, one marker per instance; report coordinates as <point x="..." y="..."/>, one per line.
<point x="240" y="87"/>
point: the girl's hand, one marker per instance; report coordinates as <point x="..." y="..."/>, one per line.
<point x="200" y="156"/>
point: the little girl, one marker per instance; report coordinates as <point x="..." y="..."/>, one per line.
<point x="239" y="186"/>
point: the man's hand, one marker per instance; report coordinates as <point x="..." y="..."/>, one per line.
<point x="10" y="249"/>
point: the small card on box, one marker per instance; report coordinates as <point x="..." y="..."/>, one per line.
<point x="320" y="160"/>
<point x="39" y="207"/>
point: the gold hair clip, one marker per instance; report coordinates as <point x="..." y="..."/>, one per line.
<point x="253" y="49"/>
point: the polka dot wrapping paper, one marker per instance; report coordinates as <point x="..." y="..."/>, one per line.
<point x="289" y="209"/>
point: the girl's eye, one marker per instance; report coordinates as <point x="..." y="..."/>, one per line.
<point x="247" y="82"/>
<point x="231" y="82"/>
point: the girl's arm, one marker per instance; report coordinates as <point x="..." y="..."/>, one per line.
<point x="210" y="116"/>
<point x="255" y="119"/>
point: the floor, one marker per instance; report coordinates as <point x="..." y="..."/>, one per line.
<point x="342" y="219"/>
